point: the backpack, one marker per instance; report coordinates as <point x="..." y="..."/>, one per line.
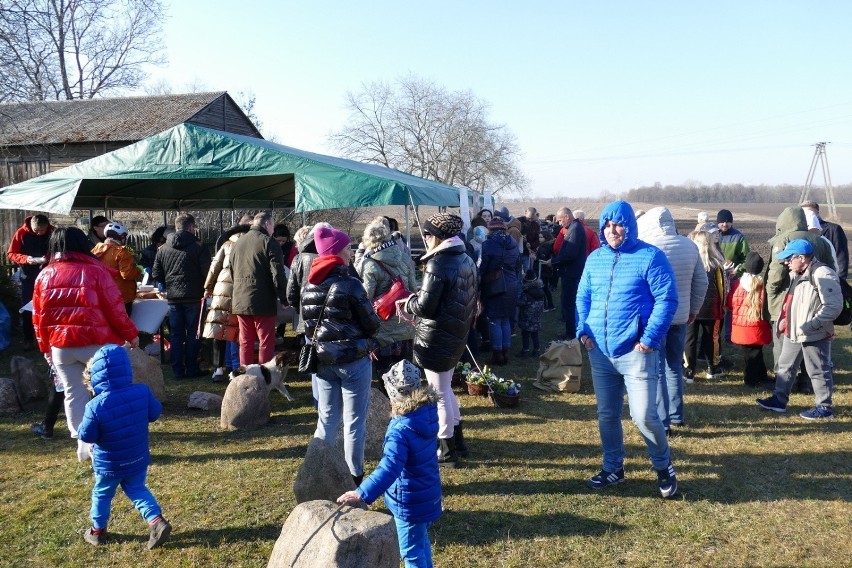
<point x="845" y="316"/>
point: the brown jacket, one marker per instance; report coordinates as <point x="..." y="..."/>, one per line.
<point x="122" y="259"/>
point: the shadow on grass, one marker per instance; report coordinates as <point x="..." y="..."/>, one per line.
<point x="478" y="528"/>
<point x="208" y="538"/>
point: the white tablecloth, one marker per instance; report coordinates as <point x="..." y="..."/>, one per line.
<point x="149" y="314"/>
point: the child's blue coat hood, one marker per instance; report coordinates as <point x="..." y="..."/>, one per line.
<point x="110" y="369"/>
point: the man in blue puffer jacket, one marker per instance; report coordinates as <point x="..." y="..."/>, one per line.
<point x="625" y="304"/>
<point x="408" y="473"/>
<point x="116" y="422"/>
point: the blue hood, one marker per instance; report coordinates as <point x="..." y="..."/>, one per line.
<point x="622" y="213"/>
<point x="110" y="369"/>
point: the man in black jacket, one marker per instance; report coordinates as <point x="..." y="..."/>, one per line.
<point x="834" y="233"/>
<point x="181" y="265"/>
<point x="569" y="259"/>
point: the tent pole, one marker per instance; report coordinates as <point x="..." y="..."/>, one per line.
<point x="416" y="217"/>
<point x="407" y="229"/>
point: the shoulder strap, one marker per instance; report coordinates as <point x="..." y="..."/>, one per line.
<point x="319" y="319"/>
<point x="380" y="263"/>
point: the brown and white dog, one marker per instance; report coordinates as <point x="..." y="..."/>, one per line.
<point x="273" y="372"/>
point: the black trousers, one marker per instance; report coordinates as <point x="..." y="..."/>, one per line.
<point x="55" y="403"/>
<point x="709" y="329"/>
<point x="754" y="372"/>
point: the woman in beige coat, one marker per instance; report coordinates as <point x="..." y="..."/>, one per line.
<point x="220" y="324"/>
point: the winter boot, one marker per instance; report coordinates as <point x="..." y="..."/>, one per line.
<point x="496" y="358"/>
<point x="447" y="455"/>
<point x="506" y="356"/>
<point x="458" y="436"/>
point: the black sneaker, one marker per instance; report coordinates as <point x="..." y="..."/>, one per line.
<point x="524" y="353"/>
<point x="688" y="376"/>
<point x="606" y="479"/>
<point x="667" y="481"/>
<point x="159" y="533"/>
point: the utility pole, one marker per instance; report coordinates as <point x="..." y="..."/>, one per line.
<point x="821" y="158"/>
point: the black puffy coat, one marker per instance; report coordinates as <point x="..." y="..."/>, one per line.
<point x="445" y="306"/>
<point x="181" y="265"/>
<point x="348" y="323"/>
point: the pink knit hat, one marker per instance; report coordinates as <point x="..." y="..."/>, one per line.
<point x="330" y="241"/>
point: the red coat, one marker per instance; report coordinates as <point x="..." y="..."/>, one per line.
<point x="592" y="241"/>
<point x="77" y="303"/>
<point x="745" y="331"/>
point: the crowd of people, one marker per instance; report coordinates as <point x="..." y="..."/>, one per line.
<point x="645" y="302"/>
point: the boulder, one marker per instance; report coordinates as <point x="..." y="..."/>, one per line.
<point x="205" y="401"/>
<point x="246" y="403"/>
<point x="323" y="474"/>
<point x="320" y="533"/>
<point x="31" y="386"/>
<point x="378" y="417"/>
<point x="147" y="370"/>
<point x="9" y="398"/>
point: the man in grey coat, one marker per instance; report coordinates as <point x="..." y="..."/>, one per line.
<point x="806" y="327"/>
<point x="657" y="227"/>
<point x="257" y="267"/>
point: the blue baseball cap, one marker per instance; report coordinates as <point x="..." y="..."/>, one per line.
<point x="799" y="246"/>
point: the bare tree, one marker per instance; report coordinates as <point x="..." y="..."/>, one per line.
<point x="421" y="128"/>
<point x="76" y="49"/>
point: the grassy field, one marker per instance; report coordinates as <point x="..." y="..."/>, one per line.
<point x="756" y="488"/>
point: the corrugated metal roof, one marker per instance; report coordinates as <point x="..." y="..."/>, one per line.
<point x="97" y="120"/>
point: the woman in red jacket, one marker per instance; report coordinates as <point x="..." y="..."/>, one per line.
<point x="77" y="309"/>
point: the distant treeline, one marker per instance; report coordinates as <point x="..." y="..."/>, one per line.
<point x="733" y="193"/>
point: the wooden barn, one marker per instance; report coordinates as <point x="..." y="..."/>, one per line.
<point x="40" y="137"/>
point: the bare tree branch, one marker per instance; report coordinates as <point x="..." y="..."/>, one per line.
<point x="74" y="49"/>
<point x="421" y="128"/>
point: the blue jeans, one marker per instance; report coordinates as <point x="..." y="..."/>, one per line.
<point x="414" y="546"/>
<point x="183" y="325"/>
<point x="135" y="489"/>
<point x="232" y="354"/>
<point x="637" y="374"/>
<point x="501" y="333"/>
<point x="670" y="395"/>
<point x="344" y="393"/>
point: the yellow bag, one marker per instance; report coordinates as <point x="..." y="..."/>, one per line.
<point x="560" y="367"/>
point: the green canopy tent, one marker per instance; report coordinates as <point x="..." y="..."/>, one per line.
<point x="190" y="167"/>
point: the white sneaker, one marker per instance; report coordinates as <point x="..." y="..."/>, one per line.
<point x="84" y="451"/>
<point x="218" y="374"/>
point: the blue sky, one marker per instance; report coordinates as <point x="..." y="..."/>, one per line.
<point x="601" y="96"/>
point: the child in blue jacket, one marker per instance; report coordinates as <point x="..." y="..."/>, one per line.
<point x="116" y="422"/>
<point x="408" y="472"/>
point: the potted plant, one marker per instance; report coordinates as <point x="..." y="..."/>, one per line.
<point x="505" y="392"/>
<point x="459" y="374"/>
<point x="477" y="381"/>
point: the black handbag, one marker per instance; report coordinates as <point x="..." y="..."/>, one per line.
<point x="494" y="282"/>
<point x="308" y="357"/>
